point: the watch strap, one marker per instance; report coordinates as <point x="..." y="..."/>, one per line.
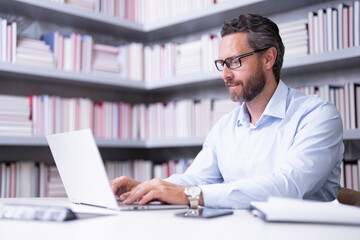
<point x="194" y="203"/>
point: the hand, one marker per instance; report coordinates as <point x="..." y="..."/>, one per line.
<point x="123" y="184"/>
<point x="156" y="190"/>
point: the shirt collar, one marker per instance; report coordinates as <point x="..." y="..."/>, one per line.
<point x="276" y="107"/>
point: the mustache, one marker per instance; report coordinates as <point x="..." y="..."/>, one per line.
<point x="231" y="82"/>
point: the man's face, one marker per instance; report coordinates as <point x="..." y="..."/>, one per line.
<point x="246" y="82"/>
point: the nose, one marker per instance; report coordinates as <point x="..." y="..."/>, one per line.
<point x="226" y="73"/>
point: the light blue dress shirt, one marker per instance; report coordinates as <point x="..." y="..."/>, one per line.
<point x="294" y="150"/>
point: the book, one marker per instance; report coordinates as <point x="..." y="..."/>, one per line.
<point x="277" y="209"/>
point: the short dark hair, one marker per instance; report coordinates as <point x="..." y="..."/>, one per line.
<point x="262" y="33"/>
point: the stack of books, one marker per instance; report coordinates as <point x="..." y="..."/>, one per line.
<point x="188" y="58"/>
<point x="54" y="184"/>
<point x="15" y="116"/>
<point x="35" y="53"/>
<point x="105" y="58"/>
<point x="295" y="38"/>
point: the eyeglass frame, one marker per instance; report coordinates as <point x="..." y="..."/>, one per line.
<point x="239" y="57"/>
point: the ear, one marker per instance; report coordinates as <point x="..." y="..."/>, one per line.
<point x="270" y="57"/>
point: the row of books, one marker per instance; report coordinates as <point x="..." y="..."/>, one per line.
<point x="171" y="167"/>
<point x="141" y="11"/>
<point x="345" y="97"/>
<point x="29" y="179"/>
<point x="118" y="120"/>
<point x="334" y="28"/>
<point x="43" y="115"/>
<point x="351" y="174"/>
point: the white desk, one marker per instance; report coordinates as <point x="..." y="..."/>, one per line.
<point x="162" y="224"/>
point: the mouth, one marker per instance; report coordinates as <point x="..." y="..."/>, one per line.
<point x="232" y="85"/>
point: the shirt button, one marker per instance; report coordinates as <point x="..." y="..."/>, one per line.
<point x="238" y="123"/>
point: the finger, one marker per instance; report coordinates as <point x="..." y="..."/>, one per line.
<point x="137" y="193"/>
<point x="124" y="196"/>
<point x="150" y="196"/>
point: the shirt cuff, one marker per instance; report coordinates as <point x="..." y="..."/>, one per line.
<point x="215" y="195"/>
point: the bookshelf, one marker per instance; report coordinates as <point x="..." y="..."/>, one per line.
<point x="106" y="86"/>
<point x="188" y="23"/>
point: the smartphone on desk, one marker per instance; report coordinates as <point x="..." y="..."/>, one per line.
<point x="204" y="213"/>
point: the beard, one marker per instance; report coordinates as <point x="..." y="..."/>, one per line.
<point x="255" y="84"/>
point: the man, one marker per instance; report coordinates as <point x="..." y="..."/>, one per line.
<point x="279" y="142"/>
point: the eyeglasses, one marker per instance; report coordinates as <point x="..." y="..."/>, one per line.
<point x="234" y="62"/>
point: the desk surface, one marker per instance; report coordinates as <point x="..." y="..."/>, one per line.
<point x="163" y="224"/>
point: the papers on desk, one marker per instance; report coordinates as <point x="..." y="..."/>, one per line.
<point x="294" y="210"/>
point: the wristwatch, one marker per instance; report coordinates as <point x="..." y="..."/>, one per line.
<point x="193" y="194"/>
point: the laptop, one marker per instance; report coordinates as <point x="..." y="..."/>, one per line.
<point x="83" y="174"/>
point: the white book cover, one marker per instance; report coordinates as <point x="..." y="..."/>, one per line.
<point x="355" y="176"/>
<point x="335" y="30"/>
<point x="348" y="175"/>
<point x="316" y="35"/>
<point x="68" y="54"/>
<point x="329" y="29"/>
<point x="14" y="41"/>
<point x="358" y="170"/>
<point x="346" y="24"/>
<point x="340" y="26"/>
<point x="351" y="26"/>
<point x="3" y="39"/>
<point x="25" y="184"/>
<point x="357" y="23"/>
<point x="352" y="106"/>
<point x="321" y="30"/>
<point x="347" y="106"/>
<point x="3" y="180"/>
<point x="342" y="174"/>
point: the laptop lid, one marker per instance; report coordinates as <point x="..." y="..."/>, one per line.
<point x="81" y="168"/>
<point x="83" y="174"/>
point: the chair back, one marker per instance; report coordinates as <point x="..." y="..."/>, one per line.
<point x="349" y="197"/>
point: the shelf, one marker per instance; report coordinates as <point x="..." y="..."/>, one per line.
<point x="339" y="59"/>
<point x="196" y="21"/>
<point x="351" y="134"/>
<point x="108" y="143"/>
<point x="185" y="80"/>
<point x="94" y="78"/>
<point x="181" y="142"/>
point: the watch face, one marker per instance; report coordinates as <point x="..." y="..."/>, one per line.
<point x="194" y="191"/>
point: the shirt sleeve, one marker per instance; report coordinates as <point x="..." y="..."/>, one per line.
<point x="317" y="148"/>
<point x="204" y="169"/>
